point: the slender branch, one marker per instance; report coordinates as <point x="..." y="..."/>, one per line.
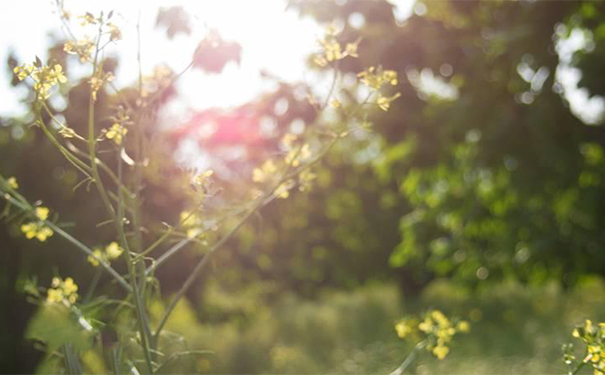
<point x="409" y="359"/>
<point x="119" y="222"/>
<point x="179" y="245"/>
<point x="266" y="198"/>
<point x="27" y="208"/>
<point x="195" y="273"/>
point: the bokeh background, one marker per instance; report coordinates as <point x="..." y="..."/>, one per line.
<point x="481" y="192"/>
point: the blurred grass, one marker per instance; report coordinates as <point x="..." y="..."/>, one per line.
<point x="515" y="329"/>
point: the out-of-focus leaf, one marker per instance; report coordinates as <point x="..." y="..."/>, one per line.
<point x="175" y="19"/>
<point x="54" y="325"/>
<point x="213" y="53"/>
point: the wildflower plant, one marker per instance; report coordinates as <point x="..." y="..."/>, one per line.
<point x="592" y="337"/>
<point x="432" y="332"/>
<point x="142" y="343"/>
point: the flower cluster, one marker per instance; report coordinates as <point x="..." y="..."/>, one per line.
<point x="45" y="77"/>
<point x="97" y="82"/>
<point x="160" y="79"/>
<point x="436" y="330"/>
<point x="83" y="48"/>
<point x="192" y="223"/>
<point x="115" y="33"/>
<point x="88" y="19"/>
<point x="38" y="229"/>
<point x="593" y="337"/>
<point x="62" y="290"/>
<point x="12" y="182"/>
<point x="332" y="50"/>
<point x="112" y="251"/>
<point x="296" y="156"/>
<point x="376" y="78"/>
<point x="265" y="172"/>
<point x="118" y="129"/>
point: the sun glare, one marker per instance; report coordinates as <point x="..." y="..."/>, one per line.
<point x="272" y="38"/>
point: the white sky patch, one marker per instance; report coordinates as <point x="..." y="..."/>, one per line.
<point x="272" y="38"/>
<point x="588" y="109"/>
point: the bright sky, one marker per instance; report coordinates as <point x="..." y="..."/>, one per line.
<point x="272" y="38"/>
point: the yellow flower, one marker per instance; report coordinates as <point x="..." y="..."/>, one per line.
<point x="384" y="102"/>
<point x="42" y="212"/>
<point x="305" y="179"/>
<point x="283" y="190"/>
<point x="288" y="140"/>
<point x="62" y="290"/>
<point x="113" y="250"/>
<point x="43" y="233"/>
<point x="320" y="60"/>
<point x="403" y="329"/>
<point x="87" y="19"/>
<point x="116" y="133"/>
<point x="332" y="50"/>
<point x="202" y="178"/>
<point x="12" y="182"/>
<point x="30" y="230"/>
<point x="54" y="295"/>
<point x="44" y="77"/>
<point x="57" y="74"/>
<point x="426" y="326"/>
<point x="376" y="77"/>
<point x="114" y="32"/>
<point x="463" y="326"/>
<point x="94" y="260"/>
<point x="351" y="48"/>
<point x="294" y="157"/>
<point x="441" y="351"/>
<point x="36" y="230"/>
<point x="24" y="71"/>
<point x="390" y="76"/>
<point x="193" y="232"/>
<point x="83" y="48"/>
<point x="265" y="172"/>
<point x="69" y="287"/>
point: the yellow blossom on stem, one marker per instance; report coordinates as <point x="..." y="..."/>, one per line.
<point x="62" y="291"/>
<point x="283" y="190"/>
<point x="42" y="212"/>
<point x="44" y="77"/>
<point x="114" y="32"/>
<point x="265" y="172"/>
<point x="83" y="48"/>
<point x="87" y="19"/>
<point x="94" y="260"/>
<point x="376" y="77"/>
<point x="12" y="182"/>
<point x="305" y="179"/>
<point x="113" y="250"/>
<point x="38" y="229"/>
<point x="437" y="329"/>
<point x="384" y="102"/>
<point x="116" y="133"/>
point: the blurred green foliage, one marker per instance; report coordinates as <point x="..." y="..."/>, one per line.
<point x="514" y="328"/>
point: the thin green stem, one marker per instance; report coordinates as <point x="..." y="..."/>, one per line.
<point x="409" y="359"/>
<point x="195" y="273"/>
<point x="202" y="263"/>
<point x="119" y="222"/>
<point x="24" y="206"/>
